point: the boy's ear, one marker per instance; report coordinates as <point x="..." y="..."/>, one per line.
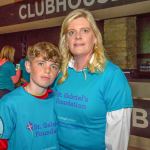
<point x="28" y="67"/>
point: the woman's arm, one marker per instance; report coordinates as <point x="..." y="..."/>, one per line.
<point x="16" y="78"/>
<point x="118" y="129"/>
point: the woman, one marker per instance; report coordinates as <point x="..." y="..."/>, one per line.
<point x="9" y="76"/>
<point x="93" y="110"/>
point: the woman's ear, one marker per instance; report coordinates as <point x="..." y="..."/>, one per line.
<point x="28" y="66"/>
<point x="95" y="41"/>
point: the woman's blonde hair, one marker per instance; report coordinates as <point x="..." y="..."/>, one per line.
<point x="99" y="56"/>
<point x="7" y="52"/>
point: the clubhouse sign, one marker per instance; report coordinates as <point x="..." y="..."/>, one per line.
<point x="33" y="10"/>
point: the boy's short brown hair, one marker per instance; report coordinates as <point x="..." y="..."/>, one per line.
<point x="45" y="49"/>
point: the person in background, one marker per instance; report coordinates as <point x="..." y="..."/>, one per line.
<point x="25" y="76"/>
<point x="9" y="76"/>
<point x="27" y="118"/>
<point x="94" y="102"/>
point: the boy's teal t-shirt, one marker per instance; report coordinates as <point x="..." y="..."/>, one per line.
<point x="7" y="70"/>
<point x="27" y="122"/>
<point x="82" y="103"/>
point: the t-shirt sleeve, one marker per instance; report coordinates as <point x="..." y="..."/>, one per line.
<point x="117" y="92"/>
<point x="6" y="120"/>
<point x="12" y="70"/>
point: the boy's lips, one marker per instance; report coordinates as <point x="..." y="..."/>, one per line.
<point x="46" y="78"/>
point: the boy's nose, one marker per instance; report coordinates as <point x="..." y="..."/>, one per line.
<point x="47" y="69"/>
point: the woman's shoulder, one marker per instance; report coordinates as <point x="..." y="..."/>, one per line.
<point x="111" y="67"/>
<point x="111" y="70"/>
<point x="8" y="66"/>
<point x="8" y="63"/>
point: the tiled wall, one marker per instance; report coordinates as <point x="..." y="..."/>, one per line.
<point x="120" y="41"/>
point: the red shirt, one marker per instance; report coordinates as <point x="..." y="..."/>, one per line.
<point x="3" y="144"/>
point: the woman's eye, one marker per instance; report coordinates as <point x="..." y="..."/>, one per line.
<point x="71" y="33"/>
<point x="85" y="30"/>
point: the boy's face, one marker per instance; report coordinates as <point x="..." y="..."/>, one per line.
<point x="42" y="72"/>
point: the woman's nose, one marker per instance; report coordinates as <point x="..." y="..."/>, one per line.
<point x="78" y="35"/>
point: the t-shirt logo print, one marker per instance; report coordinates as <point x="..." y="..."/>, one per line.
<point x="30" y="127"/>
<point x="1" y="127"/>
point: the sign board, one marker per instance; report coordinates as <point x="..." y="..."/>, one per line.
<point x="27" y="11"/>
<point x="141" y="118"/>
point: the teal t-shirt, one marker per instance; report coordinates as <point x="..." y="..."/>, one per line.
<point x="25" y="74"/>
<point x="7" y="70"/>
<point x="27" y="122"/>
<point x="82" y="103"/>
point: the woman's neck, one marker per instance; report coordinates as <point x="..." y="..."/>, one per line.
<point x="80" y="65"/>
<point x="81" y="62"/>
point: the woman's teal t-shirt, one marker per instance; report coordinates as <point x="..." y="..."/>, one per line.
<point x="7" y="70"/>
<point x="82" y="103"/>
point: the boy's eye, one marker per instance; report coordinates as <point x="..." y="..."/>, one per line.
<point x="40" y="64"/>
<point x="54" y="67"/>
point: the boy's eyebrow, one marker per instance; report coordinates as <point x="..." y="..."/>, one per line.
<point x="52" y="61"/>
<point x="40" y="60"/>
<point x="55" y="63"/>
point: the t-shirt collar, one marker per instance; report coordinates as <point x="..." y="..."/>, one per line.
<point x="71" y="62"/>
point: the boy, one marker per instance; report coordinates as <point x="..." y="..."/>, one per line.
<point x="27" y="118"/>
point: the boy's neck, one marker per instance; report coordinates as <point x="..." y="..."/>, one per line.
<point x="44" y="96"/>
<point x="35" y="91"/>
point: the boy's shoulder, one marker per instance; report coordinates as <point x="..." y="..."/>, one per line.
<point x="12" y="96"/>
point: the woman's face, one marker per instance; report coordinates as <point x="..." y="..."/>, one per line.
<point x="80" y="37"/>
